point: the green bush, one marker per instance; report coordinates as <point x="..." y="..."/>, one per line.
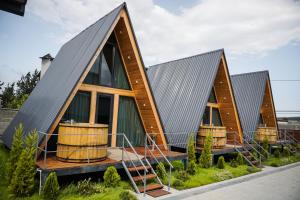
<point x="85" y="187"/>
<point x="126" y="195"/>
<point x="2" y="169"/>
<point x="276" y="153"/>
<point x="182" y="175"/>
<point x="178" y="165"/>
<point x="99" y="188"/>
<point x="15" y="152"/>
<point x="191" y="168"/>
<point x="22" y="183"/>
<point x="285" y="152"/>
<point x="233" y="163"/>
<point x="221" y="162"/>
<point x="205" y="159"/>
<point x="191" y="148"/>
<point x="111" y="177"/>
<point x="240" y="159"/>
<point x="177" y="183"/>
<point x="274" y="164"/>
<point x="223" y="175"/>
<point x="51" y="187"/>
<point x="161" y="171"/>
<point x="265" y="147"/>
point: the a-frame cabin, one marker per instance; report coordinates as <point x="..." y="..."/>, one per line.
<point x="94" y="108"/>
<point x="194" y="95"/>
<point x="253" y="94"/>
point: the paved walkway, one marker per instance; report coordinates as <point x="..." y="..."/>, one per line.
<point x="281" y="184"/>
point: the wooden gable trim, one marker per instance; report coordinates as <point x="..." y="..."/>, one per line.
<point x="135" y="70"/>
<point x="267" y="108"/>
<point x="236" y="121"/>
<point x="107" y="90"/>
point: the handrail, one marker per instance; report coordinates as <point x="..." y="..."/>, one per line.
<point x="134" y="152"/>
<point x="255" y="148"/>
<point x="256" y="143"/>
<point x="153" y="143"/>
<point x="245" y="157"/>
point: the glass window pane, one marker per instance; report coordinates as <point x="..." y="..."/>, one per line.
<point x="212" y="96"/>
<point x="104" y="108"/>
<point x="206" y="116"/>
<point x="79" y="109"/>
<point x="216" y="118"/>
<point x="106" y="73"/>
<point x="129" y="122"/>
<point x="121" y="80"/>
<point x="93" y="76"/>
<point x="260" y="120"/>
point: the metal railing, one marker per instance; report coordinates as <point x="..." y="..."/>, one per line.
<point x="154" y="146"/>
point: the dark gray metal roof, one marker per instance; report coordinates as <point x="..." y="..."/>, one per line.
<point x="181" y="89"/>
<point x="249" y="92"/>
<point x="53" y="90"/>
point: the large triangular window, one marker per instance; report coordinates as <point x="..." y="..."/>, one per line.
<point x="108" y="69"/>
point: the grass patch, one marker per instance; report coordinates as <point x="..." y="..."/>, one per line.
<point x="281" y="161"/>
<point x="211" y="175"/>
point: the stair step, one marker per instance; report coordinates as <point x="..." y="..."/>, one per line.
<point x="245" y="153"/>
<point x="140" y="178"/>
<point x="150" y="187"/>
<point x="157" y="193"/>
<point x="139" y="168"/>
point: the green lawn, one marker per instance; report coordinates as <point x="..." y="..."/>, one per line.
<point x="277" y="162"/>
<point x="212" y="175"/>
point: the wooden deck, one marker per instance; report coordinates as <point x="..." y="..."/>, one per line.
<point x="68" y="168"/>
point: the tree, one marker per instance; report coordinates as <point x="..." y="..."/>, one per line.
<point x="51" y="187"/>
<point x="27" y="83"/>
<point x="22" y="183"/>
<point x="16" y="150"/>
<point x="8" y="95"/>
<point x="191" y="148"/>
<point x="205" y="159"/>
<point x="1" y="84"/>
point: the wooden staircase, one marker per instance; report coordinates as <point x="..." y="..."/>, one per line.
<point x="141" y="173"/>
<point x="250" y="158"/>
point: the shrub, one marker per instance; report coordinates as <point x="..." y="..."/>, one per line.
<point x="126" y="195"/>
<point x="177" y="183"/>
<point x="240" y="159"/>
<point x="99" y="188"/>
<point x="111" y="177"/>
<point x="51" y="187"/>
<point x="22" y="183"/>
<point x="233" y="163"/>
<point x="2" y="169"/>
<point x="274" y="164"/>
<point x="191" y="168"/>
<point x="182" y="175"/>
<point x="251" y="169"/>
<point x="277" y="153"/>
<point x="285" y="152"/>
<point x="178" y="165"/>
<point x="161" y="171"/>
<point x="221" y="162"/>
<point x="16" y="150"/>
<point x="205" y="159"/>
<point x="265" y="146"/>
<point x="223" y="175"/>
<point x="191" y="148"/>
<point x="85" y="187"/>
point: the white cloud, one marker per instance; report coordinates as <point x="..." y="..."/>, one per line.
<point x="241" y="27"/>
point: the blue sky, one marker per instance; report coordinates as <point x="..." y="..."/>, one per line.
<point x="256" y="35"/>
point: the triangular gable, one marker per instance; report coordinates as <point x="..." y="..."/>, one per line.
<point x="53" y="94"/>
<point x="226" y="102"/>
<point x="249" y="91"/>
<point x="181" y="89"/>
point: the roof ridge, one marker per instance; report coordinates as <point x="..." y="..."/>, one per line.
<point x="121" y="5"/>
<point x="201" y="54"/>
<point x="248" y="73"/>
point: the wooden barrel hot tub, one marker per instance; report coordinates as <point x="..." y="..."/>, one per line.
<point x="218" y="135"/>
<point x="269" y="132"/>
<point x="82" y="142"/>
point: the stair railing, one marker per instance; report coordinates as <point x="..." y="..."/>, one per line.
<point x="237" y="149"/>
<point x="144" y="180"/>
<point x="154" y="146"/>
<point x="252" y="140"/>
